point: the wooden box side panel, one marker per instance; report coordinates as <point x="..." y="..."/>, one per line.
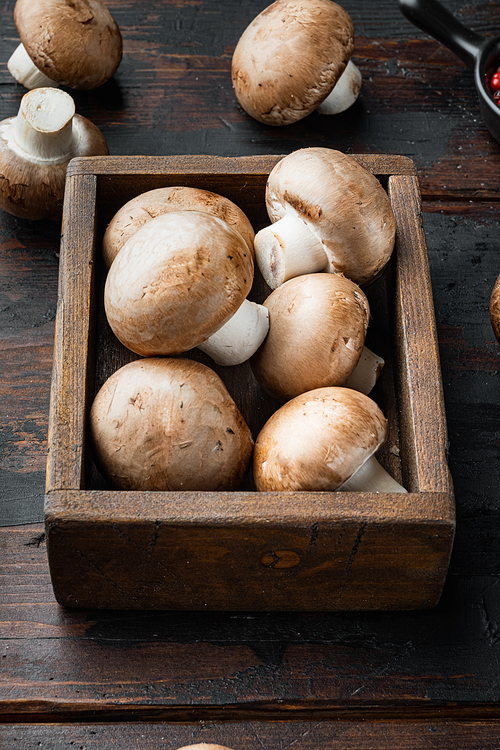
<point x="422" y="416"/>
<point x="299" y="553"/>
<point x="73" y="350"/>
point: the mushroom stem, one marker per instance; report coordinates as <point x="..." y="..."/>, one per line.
<point x="371" y="477"/>
<point x="43" y="127"/>
<point x="304" y="252"/>
<point x="344" y="93"/>
<point x="366" y="373"/>
<point x="240" y="337"/>
<point x="23" y="69"/>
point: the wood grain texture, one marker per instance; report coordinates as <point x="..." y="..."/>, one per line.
<point x="303" y="735"/>
<point x="85" y="665"/>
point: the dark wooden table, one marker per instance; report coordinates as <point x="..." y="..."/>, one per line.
<point x="103" y="679"/>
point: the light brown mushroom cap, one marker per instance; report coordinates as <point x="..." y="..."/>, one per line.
<point x="176" y="281"/>
<point x="495" y="309"/>
<point x="317" y="329"/>
<point x="76" y="43"/>
<point x="136" y="212"/>
<point x="343" y="205"/>
<point x="169" y="424"/>
<point x="203" y="746"/>
<point x="31" y="183"/>
<point x="316" y="441"/>
<point x="290" y="57"/>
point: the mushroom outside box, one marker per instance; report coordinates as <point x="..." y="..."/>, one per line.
<point x="246" y="550"/>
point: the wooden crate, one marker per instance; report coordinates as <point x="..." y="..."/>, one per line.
<point x="246" y="550"/>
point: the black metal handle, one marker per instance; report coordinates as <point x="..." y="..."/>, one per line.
<point x="433" y="18"/>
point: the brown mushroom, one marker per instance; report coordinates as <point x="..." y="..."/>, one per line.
<point x="291" y="60"/>
<point x="35" y="148"/>
<point x="176" y="281"/>
<point x="139" y="210"/>
<point x="329" y="214"/>
<point x="317" y="331"/>
<point x="495" y="309"/>
<point x="323" y="440"/>
<point x="203" y="746"/>
<point x="75" y="43"/>
<point x="169" y="424"/>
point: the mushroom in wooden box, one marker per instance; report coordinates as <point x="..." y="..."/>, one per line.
<point x="167" y="423"/>
<point x="323" y="440"/>
<point x="182" y="281"/>
<point x="328" y="213"/>
<point x="318" y="325"/>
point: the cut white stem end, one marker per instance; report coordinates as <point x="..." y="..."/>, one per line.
<point x="43" y="126"/>
<point x="25" y="71"/>
<point x="371" y="477"/>
<point x="366" y="373"/>
<point x="344" y="93"/>
<point x="287" y="249"/>
<point x="240" y="337"/>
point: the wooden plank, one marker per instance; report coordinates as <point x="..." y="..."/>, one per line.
<point x="233" y="551"/>
<point x="418" y="367"/>
<point x="74" y="328"/>
<point x="69" y="663"/>
<point x="302" y="735"/>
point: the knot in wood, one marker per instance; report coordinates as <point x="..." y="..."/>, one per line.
<point x="283" y="558"/>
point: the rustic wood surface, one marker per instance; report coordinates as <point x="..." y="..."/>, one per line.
<point x="379" y="680"/>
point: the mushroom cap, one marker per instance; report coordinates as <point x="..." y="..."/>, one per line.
<point x="146" y="206"/>
<point x="290" y="57"/>
<point x="176" y="281"/>
<point x="169" y="424"/>
<point x="316" y="441"/>
<point x="203" y="746"/>
<point x="342" y="203"/>
<point x="76" y="43"/>
<point x="495" y="309"/>
<point x="317" y="329"/>
<point x="32" y="188"/>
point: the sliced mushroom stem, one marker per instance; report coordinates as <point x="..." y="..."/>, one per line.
<point x="43" y="127"/>
<point x="371" y="477"/>
<point x="344" y="93"/>
<point x="23" y="69"/>
<point x="240" y="337"/>
<point x="304" y="252"/>
<point x="366" y="373"/>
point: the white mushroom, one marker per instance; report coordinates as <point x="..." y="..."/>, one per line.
<point x="177" y="281"/>
<point x="292" y="58"/>
<point x="169" y="424"/>
<point x="35" y="148"/>
<point x="74" y="43"/>
<point x="329" y="214"/>
<point x="323" y="440"/>
<point x="317" y="331"/>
